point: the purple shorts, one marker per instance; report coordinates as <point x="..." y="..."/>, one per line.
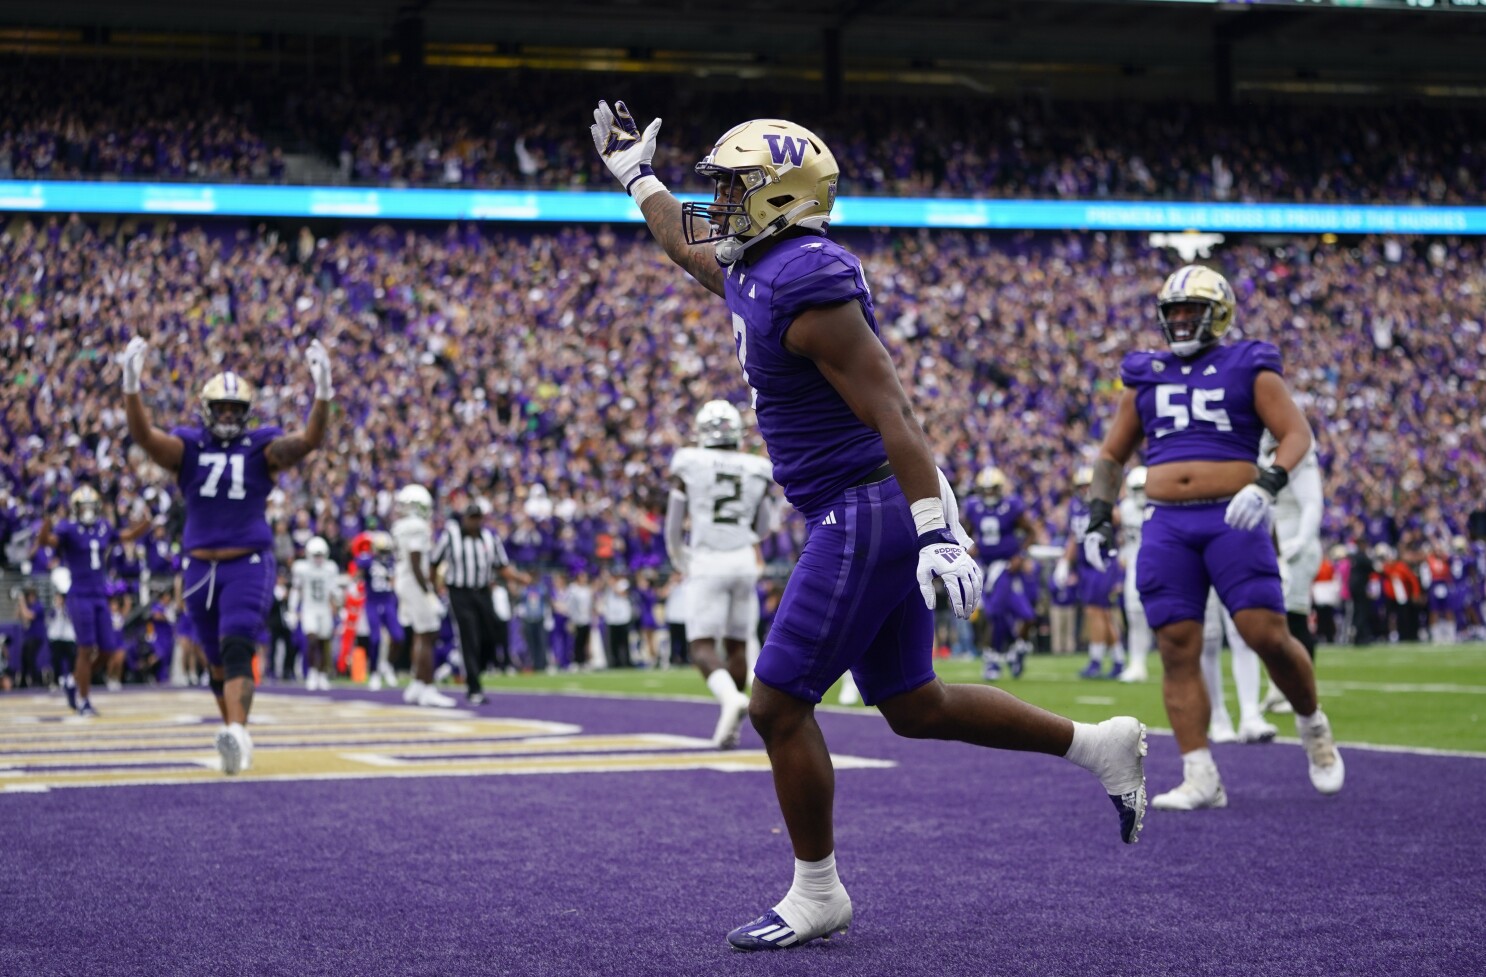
<point x="93" y="621"/>
<point x="1184" y="549"/>
<point x="853" y="602"/>
<point x="228" y="598"/>
<point x="1100" y="588"/>
<point x="1006" y="594"/>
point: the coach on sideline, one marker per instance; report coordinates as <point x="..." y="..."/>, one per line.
<point x="473" y="554"/>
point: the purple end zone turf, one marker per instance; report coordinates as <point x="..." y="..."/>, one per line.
<point x="959" y="861"/>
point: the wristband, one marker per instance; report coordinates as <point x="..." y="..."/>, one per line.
<point x="1273" y="479"/>
<point x="928" y="515"/>
<point x="644" y="186"/>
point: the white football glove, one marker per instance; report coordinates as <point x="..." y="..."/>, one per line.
<point x="941" y="555"/>
<point x="319" y="363"/>
<point x="1060" y="574"/>
<point x="625" y="150"/>
<point x="1251" y="508"/>
<point x="132" y="363"/>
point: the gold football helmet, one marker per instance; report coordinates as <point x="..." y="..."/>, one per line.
<point x="771" y="175"/>
<point x="1200" y="285"/>
<point x="1083" y="477"/>
<point x="225" y="402"/>
<point x="86" y="505"/>
<point x="991" y="482"/>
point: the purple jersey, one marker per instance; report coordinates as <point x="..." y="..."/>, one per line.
<point x="226" y="485"/>
<point x="377" y="572"/>
<point x="818" y="446"/>
<point x="1200" y="408"/>
<point x="84" y="550"/>
<point x="993" y="525"/>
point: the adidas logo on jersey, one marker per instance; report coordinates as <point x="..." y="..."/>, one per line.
<point x="830" y="519"/>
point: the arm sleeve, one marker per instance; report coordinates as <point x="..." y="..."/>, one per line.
<point x="763" y="520"/>
<point x="1307" y="488"/>
<point x="675" y="517"/>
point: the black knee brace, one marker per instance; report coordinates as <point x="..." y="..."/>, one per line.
<point x="219" y="687"/>
<point x="237" y="657"/>
<point x="1300" y="626"/>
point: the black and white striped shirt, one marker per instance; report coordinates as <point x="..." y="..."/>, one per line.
<point x="472" y="560"/>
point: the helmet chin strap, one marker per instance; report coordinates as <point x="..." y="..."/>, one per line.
<point x="730" y="250"/>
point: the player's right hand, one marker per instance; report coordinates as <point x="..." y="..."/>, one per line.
<point x="1098" y="541"/>
<point x="625" y="150"/>
<point x="1251" y="508"/>
<point x="132" y="363"/>
<point x="941" y="555"/>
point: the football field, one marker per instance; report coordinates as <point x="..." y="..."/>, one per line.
<point x="589" y="830"/>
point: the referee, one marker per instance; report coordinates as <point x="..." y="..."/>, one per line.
<point x="472" y="555"/>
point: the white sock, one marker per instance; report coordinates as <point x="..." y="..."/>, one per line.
<point x="1117" y="650"/>
<point x="1096" y="652"/>
<point x="1212" y="674"/>
<point x="813" y="900"/>
<point x="1197" y="760"/>
<point x="1246" y="682"/>
<point x="721" y="684"/>
<point x="1314" y="719"/>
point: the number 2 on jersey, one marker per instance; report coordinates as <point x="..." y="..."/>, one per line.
<point x="720" y="501"/>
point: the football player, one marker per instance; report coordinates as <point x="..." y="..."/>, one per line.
<point x="315" y="592"/>
<point x="852" y="458"/>
<point x="1201" y="407"/>
<point x="377" y="567"/>
<point x="1097" y="585"/>
<point x="724" y="494"/>
<point x="83" y="544"/>
<point x="1001" y="525"/>
<point x="226" y="471"/>
<point x="1138" y="630"/>
<point x="417" y="601"/>
<point x="1297" y="529"/>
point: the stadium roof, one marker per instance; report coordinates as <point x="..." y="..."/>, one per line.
<point x="988" y="45"/>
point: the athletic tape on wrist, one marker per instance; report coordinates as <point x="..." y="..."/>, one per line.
<point x="928" y="515"/>
<point x="644" y="187"/>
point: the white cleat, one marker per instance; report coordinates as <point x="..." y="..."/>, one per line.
<point x="374" y="684"/>
<point x="1256" y="730"/>
<point x="246" y="743"/>
<point x="1120" y="767"/>
<point x="1201" y="787"/>
<point x="1134" y="674"/>
<point x="1326" y="767"/>
<point x="433" y="698"/>
<point x="1276" y="702"/>
<point x="229" y="748"/>
<point x="1221" y="731"/>
<point x="413" y="691"/>
<point x="730" y="723"/>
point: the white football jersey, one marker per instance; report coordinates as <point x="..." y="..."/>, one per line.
<point x="318" y="586"/>
<point x="411" y="534"/>
<point x="724" y="489"/>
<point x="1132" y="520"/>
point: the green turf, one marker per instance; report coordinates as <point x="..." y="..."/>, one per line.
<point x="1404" y="695"/>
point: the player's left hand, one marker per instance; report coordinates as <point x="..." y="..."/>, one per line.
<point x="319" y="363"/>
<point x="1099" y="547"/>
<point x="625" y="150"/>
<point x="1251" y="508"/>
<point x="132" y="363"/>
<point x="941" y="555"/>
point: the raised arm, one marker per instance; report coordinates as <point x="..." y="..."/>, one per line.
<point x="164" y="449"/>
<point x="628" y="152"/>
<point x="290" y="449"/>
<point x="44" y="535"/>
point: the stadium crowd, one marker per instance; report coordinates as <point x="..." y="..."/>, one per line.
<point x="552" y="375"/>
<point x="523" y="129"/>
